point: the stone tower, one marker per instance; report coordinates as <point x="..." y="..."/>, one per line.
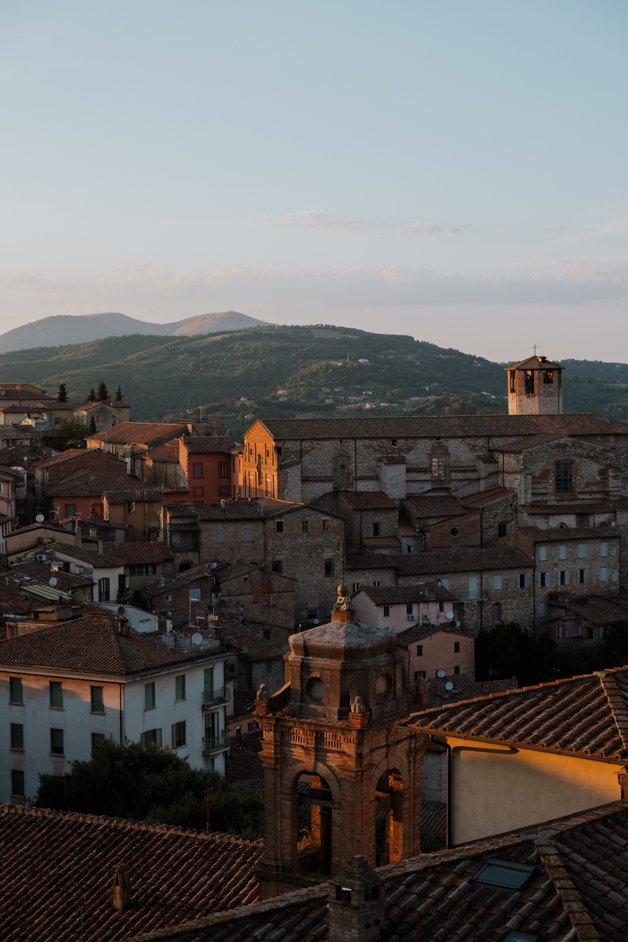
<point x="341" y="776"/>
<point x="535" y="387"/>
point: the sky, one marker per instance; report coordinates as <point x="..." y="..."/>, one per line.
<point x="455" y="170"/>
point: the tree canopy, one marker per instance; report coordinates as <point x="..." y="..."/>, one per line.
<point x="146" y="783"/>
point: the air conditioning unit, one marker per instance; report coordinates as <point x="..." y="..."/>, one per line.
<point x="411" y="617"/>
<point x="41" y="557"/>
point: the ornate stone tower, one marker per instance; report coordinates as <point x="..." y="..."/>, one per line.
<point x="341" y="777"/>
<point x="535" y="387"/>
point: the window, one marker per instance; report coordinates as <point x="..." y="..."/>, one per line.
<point x="455" y="531"/>
<point x="197" y="469"/>
<point x="97" y="699"/>
<point x="70" y="510"/>
<point x="522" y="581"/>
<point x="563" y="577"/>
<point x="17" y="736"/>
<point x="266" y="634"/>
<point x="103" y="589"/>
<point x="562" y="551"/>
<point x="17" y="783"/>
<point x="419" y="650"/>
<point x="563" y="477"/>
<point x="603" y="574"/>
<point x="178" y="735"/>
<point x="224" y="491"/>
<point x="444" y="583"/>
<point x="582" y="576"/>
<point x="376" y="529"/>
<point x="544" y="580"/>
<point x="498" y="582"/>
<point x="456" y="647"/>
<point x="16" y="690"/>
<point x="179" y="687"/>
<point x="355" y="586"/>
<point x="97" y="741"/>
<point x="502" y="528"/>
<point x="582" y="551"/>
<point x="512" y="375"/>
<point x="330" y="567"/>
<point x="386" y="611"/>
<point x="223" y="469"/>
<point x="208" y="684"/>
<point x="419" y="675"/>
<point x="409" y="609"/>
<point x="56" y="742"/>
<point x="279" y="526"/>
<point x="603" y="549"/>
<point x="247" y="534"/>
<point x="542" y="554"/>
<point x="277" y="566"/>
<point x="548" y="377"/>
<point x="55" y="694"/>
<point x="473" y="587"/>
<point x="149" y="695"/>
<point x="304" y="526"/>
<point x="505" y="874"/>
<point x="528" y="380"/>
<point x="325" y="523"/>
<point x="456" y="670"/>
<point x="151" y="737"/>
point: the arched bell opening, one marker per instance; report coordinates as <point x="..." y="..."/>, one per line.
<point x="314" y="829"/>
<point x="389" y="818"/>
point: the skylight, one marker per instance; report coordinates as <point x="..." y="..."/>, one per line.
<point x="506" y="874"/>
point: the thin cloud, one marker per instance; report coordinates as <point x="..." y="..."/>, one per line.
<point x="313" y="219"/>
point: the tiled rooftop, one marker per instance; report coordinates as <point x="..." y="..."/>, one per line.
<point x="442" y="426"/>
<point x="403" y="594"/>
<point x="580" y="716"/>
<point x="535" y="363"/>
<point x="93" y="484"/>
<point x="136" y="552"/>
<point x="369" y="500"/>
<point x="576" y="892"/>
<point x="90" y="644"/>
<point x="140" y="433"/>
<point x="209" y="444"/>
<point x="57" y="870"/>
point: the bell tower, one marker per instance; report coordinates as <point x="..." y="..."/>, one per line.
<point x="535" y="387"/>
<point x="341" y="774"/>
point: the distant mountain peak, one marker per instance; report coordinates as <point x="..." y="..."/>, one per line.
<point x="59" y="330"/>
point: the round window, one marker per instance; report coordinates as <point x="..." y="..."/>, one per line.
<point x="315" y="689"/>
<point x="454" y="531"/>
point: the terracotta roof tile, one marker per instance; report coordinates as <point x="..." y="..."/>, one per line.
<point x="90" y="644"/>
<point x="577" y="716"/>
<point x="435" y="897"/>
<point x="535" y="363"/>
<point x="368" y="500"/>
<point x="442" y="426"/>
<point x="93" y="484"/>
<point x="140" y="433"/>
<point x="208" y="444"/>
<point x="56" y="875"/>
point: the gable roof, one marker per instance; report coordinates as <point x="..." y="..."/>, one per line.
<point x="208" y="444"/>
<point x="576" y="891"/>
<point x="90" y="644"/>
<point x="443" y="561"/>
<point x="441" y="426"/>
<point x="580" y="716"/>
<point x="535" y="363"/>
<point x="139" y="433"/>
<point x="57" y="870"/>
<point x="89" y="483"/>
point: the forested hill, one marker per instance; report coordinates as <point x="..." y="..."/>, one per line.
<point x="285" y="371"/>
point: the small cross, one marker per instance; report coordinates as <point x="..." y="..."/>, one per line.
<point x="534" y="348"/>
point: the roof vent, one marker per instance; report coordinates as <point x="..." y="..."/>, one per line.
<point x="121" y="890"/>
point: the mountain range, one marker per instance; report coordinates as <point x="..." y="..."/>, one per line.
<point x="62" y="329"/>
<point x="271" y="371"/>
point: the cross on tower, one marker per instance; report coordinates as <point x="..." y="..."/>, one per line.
<point x="534" y="348"/>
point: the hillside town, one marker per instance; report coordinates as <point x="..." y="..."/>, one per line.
<point x="301" y="613"/>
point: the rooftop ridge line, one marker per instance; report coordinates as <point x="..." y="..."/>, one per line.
<point x="566" y="890"/>
<point x="618" y="706"/>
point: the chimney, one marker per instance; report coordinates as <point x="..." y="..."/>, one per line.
<point x="121" y="890"/>
<point x="355" y="910"/>
<point x="122" y="626"/>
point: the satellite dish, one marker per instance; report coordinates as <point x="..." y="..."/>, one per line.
<point x="120" y="609"/>
<point x="40" y="518"/>
<point x="197" y="639"/>
<point x="213" y="564"/>
<point x="440" y="673"/>
<point x="52" y="582"/>
<point x="450" y="616"/>
<point x="449" y="686"/>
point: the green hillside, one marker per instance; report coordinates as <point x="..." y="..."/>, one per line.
<point x="284" y="371"/>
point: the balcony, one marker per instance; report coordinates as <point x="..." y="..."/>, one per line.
<point x="213" y="697"/>
<point x="213" y="744"/>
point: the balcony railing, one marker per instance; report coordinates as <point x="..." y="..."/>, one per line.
<point x="213" y="744"/>
<point x="210" y="697"/>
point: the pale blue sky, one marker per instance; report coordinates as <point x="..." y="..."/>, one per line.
<point x="453" y="169"/>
